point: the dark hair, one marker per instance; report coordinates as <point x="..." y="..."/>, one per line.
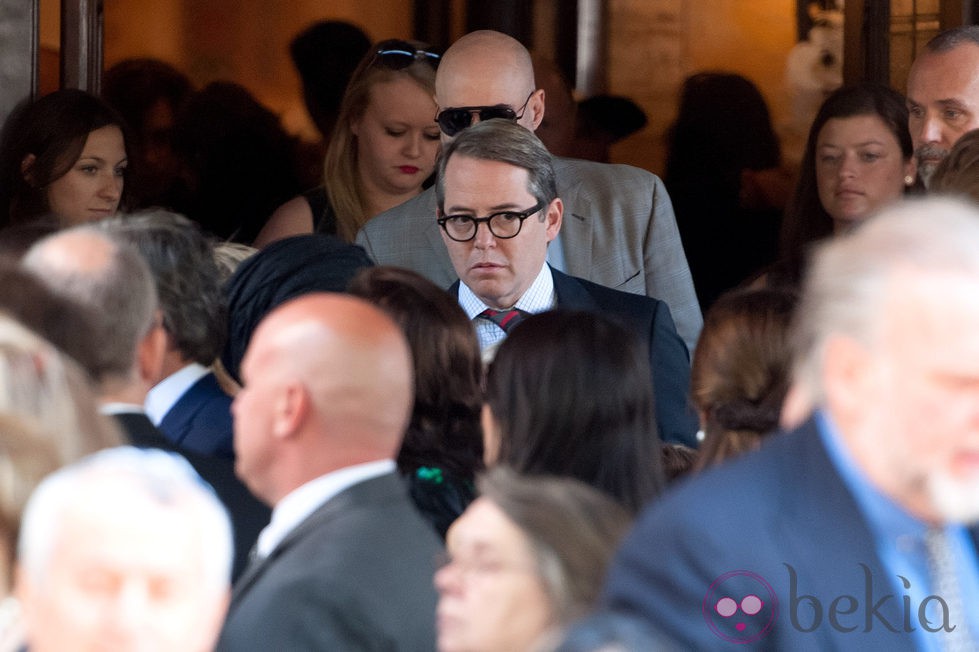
<point x="138" y="89"/>
<point x="806" y="221"/>
<point x="950" y="39"/>
<point x="283" y="270"/>
<point x="571" y="395"/>
<point x="740" y="370"/>
<point x="186" y="276"/>
<point x="722" y="122"/>
<point x="678" y="460"/>
<point x="134" y="86"/>
<point x="444" y="429"/>
<point x="325" y="55"/>
<point x="53" y="129"/>
<point x="505" y="142"/>
<point x="722" y="129"/>
<point x="242" y="162"/>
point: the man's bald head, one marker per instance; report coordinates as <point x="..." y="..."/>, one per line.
<point x="487" y="68"/>
<point x="332" y="374"/>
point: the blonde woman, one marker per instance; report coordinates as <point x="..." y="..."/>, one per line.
<point x="382" y="150"/>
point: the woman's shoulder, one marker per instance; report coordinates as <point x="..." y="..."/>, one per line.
<point x="295" y="217"/>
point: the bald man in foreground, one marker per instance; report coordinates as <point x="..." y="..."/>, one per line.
<point x="346" y="563"/>
<point x="619" y="229"/>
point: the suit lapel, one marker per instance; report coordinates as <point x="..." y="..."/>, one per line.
<point x="576" y="226"/>
<point x="571" y="294"/>
<point x="361" y="493"/>
<point x="433" y="236"/>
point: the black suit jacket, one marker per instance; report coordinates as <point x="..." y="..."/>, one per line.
<point x="355" y="575"/>
<point x="650" y="318"/>
<point x="783" y="505"/>
<point x="248" y="514"/>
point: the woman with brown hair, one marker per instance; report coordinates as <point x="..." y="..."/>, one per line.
<point x="525" y="560"/>
<point x="740" y="371"/>
<point x="442" y="448"/>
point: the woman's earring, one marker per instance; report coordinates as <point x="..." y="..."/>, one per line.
<point x="908" y="180"/>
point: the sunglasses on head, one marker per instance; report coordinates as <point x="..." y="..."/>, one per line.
<point x="452" y="121"/>
<point x="398" y="55"/>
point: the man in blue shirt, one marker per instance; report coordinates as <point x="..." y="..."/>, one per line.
<point x="857" y="529"/>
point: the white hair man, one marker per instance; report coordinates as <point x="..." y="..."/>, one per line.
<point x="858" y="528"/>
<point x="125" y="549"/>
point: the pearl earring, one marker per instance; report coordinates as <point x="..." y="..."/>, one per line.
<point x="908" y="180"/>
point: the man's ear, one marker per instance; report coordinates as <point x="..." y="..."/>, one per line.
<point x="536" y="107"/>
<point x="292" y="407"/>
<point x="552" y="218"/>
<point x="27" y="168"/>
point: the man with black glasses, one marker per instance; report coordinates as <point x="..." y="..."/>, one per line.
<point x="621" y="233"/>
<point x="498" y="208"/>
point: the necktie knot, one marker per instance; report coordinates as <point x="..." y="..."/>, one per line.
<point x="505" y="319"/>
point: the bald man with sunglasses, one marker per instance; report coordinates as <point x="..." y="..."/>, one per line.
<point x="619" y="229"/>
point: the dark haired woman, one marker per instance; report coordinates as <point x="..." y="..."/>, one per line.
<point x="568" y="394"/>
<point x="442" y="448"/>
<point x="858" y="158"/>
<point x="64" y="155"/>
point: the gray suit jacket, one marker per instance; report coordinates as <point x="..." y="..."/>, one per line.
<point x="355" y="575"/>
<point x="619" y="231"/>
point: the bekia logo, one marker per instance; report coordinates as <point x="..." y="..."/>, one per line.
<point x="740" y="607"/>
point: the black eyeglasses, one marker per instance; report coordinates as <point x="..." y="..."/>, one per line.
<point x="398" y="55"/>
<point x="503" y="225"/>
<point x="452" y="121"/>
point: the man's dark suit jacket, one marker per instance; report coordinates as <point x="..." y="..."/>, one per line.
<point x="248" y="514"/>
<point x="355" y="575"/>
<point x="200" y="420"/>
<point x="650" y="319"/>
<point x="783" y="505"/>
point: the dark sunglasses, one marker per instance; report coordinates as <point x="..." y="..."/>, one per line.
<point x="398" y="55"/>
<point x="452" y="121"/>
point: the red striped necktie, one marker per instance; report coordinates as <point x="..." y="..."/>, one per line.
<point x="505" y="319"/>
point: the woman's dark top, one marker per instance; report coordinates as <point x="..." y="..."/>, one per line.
<point x="324" y="219"/>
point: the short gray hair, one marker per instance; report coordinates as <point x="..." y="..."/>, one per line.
<point x="164" y="478"/>
<point x="950" y="39"/>
<point x="506" y="142"/>
<point x="187" y="278"/>
<point x="573" y="530"/>
<point x="119" y="293"/>
<point x="849" y="276"/>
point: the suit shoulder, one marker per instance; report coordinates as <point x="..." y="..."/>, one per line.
<point x="417" y="209"/>
<point x="754" y="479"/>
<point x="611" y="298"/>
<point x="593" y="170"/>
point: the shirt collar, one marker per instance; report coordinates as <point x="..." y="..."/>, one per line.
<point x="298" y="504"/>
<point x="168" y="391"/>
<point x="539" y="297"/>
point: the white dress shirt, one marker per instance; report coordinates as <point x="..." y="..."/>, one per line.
<point x="539" y="297"/>
<point x="168" y="391"/>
